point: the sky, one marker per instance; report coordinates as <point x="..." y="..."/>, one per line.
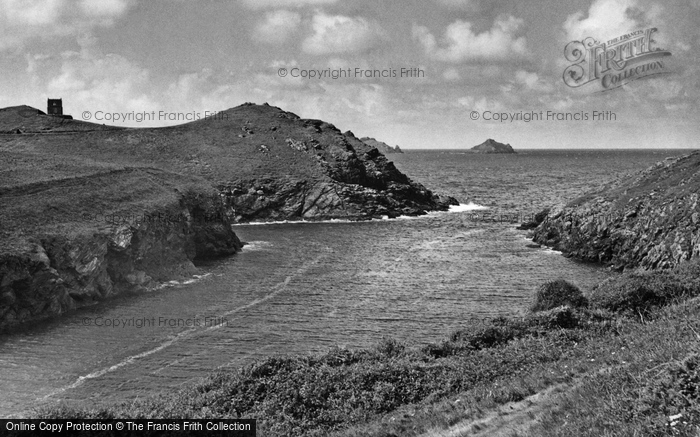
<point x="469" y="67"/>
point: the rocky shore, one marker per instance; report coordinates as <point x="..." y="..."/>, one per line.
<point x="650" y="221"/>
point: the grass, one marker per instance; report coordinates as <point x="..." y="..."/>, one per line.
<point x="314" y="395"/>
<point x="654" y="394"/>
<point x="624" y="375"/>
<point x="638" y="293"/>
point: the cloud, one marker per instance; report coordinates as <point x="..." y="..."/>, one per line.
<point x="276" y="4"/>
<point x="341" y="34"/>
<point x="96" y="81"/>
<point x="480" y="104"/>
<point x="104" y="8"/>
<point x="21" y="20"/>
<point x="606" y="19"/>
<point x="531" y="81"/>
<point x="460" y="43"/>
<point x="451" y="74"/>
<point x="277" y="26"/>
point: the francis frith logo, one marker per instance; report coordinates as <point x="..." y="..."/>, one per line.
<point x="614" y="63"/>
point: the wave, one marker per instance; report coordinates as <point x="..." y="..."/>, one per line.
<point x="462" y="207"/>
<point x="195" y="278"/>
<point x="257" y="245"/>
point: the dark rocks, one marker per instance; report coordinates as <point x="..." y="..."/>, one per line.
<point x="649" y="221"/>
<point x="535" y="222"/>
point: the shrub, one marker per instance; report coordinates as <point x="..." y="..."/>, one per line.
<point x="639" y="292"/>
<point x="558" y="293"/>
<point x="390" y="348"/>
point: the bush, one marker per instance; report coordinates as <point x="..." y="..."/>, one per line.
<point x="639" y="292"/>
<point x="558" y="293"/>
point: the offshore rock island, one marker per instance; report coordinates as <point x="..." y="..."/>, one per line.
<point x="90" y="211"/>
<point x="492" y="146"/>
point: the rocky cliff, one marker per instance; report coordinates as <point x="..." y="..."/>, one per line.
<point x="492" y="146"/>
<point x="356" y="181"/>
<point x="651" y="220"/>
<point x="68" y="243"/>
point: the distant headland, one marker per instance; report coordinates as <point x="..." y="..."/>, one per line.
<point x="381" y="146"/>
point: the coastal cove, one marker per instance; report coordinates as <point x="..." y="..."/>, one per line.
<point x="298" y="289"/>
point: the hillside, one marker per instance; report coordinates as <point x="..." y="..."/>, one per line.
<point x="649" y="221"/>
<point x="89" y="211"/>
<point x="492" y="146"/>
<point x="268" y="163"/>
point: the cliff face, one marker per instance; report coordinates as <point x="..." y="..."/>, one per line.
<point x="69" y="242"/>
<point x="650" y="221"/>
<point x="491" y="146"/>
<point x="358" y="183"/>
<point x="57" y="273"/>
<point x="334" y="175"/>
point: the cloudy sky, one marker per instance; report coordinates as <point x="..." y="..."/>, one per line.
<point x="502" y="56"/>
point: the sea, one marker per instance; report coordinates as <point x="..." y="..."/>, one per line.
<point x="303" y="288"/>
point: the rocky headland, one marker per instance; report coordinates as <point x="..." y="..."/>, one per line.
<point x="651" y="220"/>
<point x="492" y="146"/>
<point x="381" y="146"/>
<point x="89" y="211"/>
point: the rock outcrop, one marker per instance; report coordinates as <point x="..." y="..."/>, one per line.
<point x="651" y="221"/>
<point x="381" y="146"/>
<point x="492" y="146"/>
<point x="359" y="183"/>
